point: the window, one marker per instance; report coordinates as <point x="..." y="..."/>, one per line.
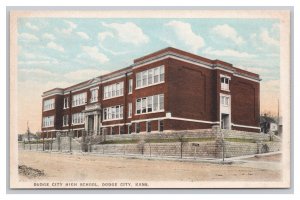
<point x="114" y="90"/>
<point x="79" y="99"/>
<point x="105" y="114"/>
<point x="160" y="125"/>
<point x="225" y="83"/>
<point x="48" y="121"/>
<point x="161" y="102"/>
<point x="113" y="113"/>
<point x="121" y="128"/>
<point x="121" y="112"/>
<point x="78" y="118"/>
<point x="138" y="80"/>
<point x="162" y="74"/>
<point x="144" y="78"/>
<point x="150" y="77"/>
<point x="94" y="95"/>
<point x="144" y="105"/>
<point x="129" y="110"/>
<point x="49" y="104"/>
<point x="130" y="86"/>
<point x="137" y="127"/>
<point x="117" y="112"/>
<point x="150" y="104"/>
<point x="65" y="120"/>
<point x="156" y="71"/>
<point x="138" y="106"/>
<point x="149" y="127"/>
<point x="66" y="102"/>
<point x="155" y="103"/>
<point x="224" y="100"/>
<point x="129" y="129"/>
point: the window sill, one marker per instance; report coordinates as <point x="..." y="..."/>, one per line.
<point x="48" y="109"/>
<point x="109" y="120"/>
<point x="149" y="85"/>
<point x="113" y="97"/>
<point x="77" y="124"/>
<point x="48" y="126"/>
<point x="78" y="105"/>
<point x="150" y="112"/>
<point x="223" y="89"/>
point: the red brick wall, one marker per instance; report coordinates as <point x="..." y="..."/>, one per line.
<point x="185" y="125"/>
<point x="245" y="102"/>
<point x="191" y="91"/>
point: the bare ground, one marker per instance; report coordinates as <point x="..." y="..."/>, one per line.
<point x="66" y="167"/>
<point x="273" y="158"/>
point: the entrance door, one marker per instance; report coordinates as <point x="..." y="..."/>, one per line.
<point x="225" y="121"/>
<point x="90" y="123"/>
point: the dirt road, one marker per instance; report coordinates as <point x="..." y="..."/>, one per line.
<point x="88" y="167"/>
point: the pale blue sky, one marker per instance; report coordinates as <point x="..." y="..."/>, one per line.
<point x="57" y="52"/>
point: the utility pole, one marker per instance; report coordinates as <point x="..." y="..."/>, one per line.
<point x="277" y="114"/>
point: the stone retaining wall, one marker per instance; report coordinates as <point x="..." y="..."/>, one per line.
<point x="207" y="149"/>
<point x="201" y="133"/>
<point x="245" y="135"/>
<point x="204" y="150"/>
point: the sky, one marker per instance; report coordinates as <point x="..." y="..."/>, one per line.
<point x="58" y="52"/>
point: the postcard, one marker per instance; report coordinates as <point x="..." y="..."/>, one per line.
<point x="150" y="99"/>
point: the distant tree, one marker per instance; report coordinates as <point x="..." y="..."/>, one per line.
<point x="269" y="116"/>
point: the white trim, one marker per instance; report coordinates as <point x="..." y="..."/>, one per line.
<point x="193" y="62"/>
<point x="175" y="118"/>
<point x="193" y="120"/>
<point x="49" y="95"/>
<point x="222" y="94"/>
<point x="78" y="105"/>
<point x="112" y="125"/>
<point x="149" y="85"/>
<point x="76" y="129"/>
<point x="159" y="111"/>
<point x="145" y="120"/>
<point x="44" y="131"/>
<point x="155" y="59"/>
<point x="225" y="76"/>
<point x="171" y="56"/>
<point x="109" y="120"/>
<point x="78" y="124"/>
<point x="225" y="70"/>
<point x="94" y="88"/>
<point x="114" y="78"/>
<point x="244" y="126"/>
<point x="244" y="77"/>
<point x="88" y="86"/>
<point x="112" y="97"/>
